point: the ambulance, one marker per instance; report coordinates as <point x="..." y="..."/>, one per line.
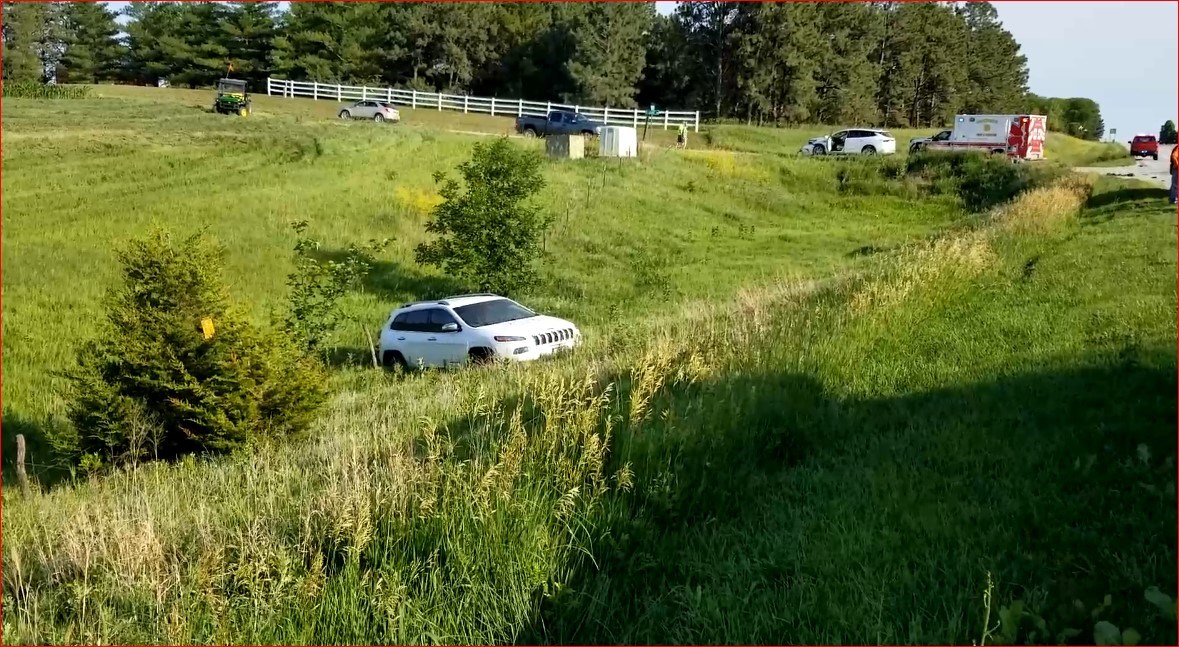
<point x="1020" y="137"/>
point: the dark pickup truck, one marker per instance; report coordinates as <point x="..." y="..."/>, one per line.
<point x="558" y="122"/>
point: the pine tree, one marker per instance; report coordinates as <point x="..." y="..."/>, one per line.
<point x="33" y="40"/>
<point x="248" y="33"/>
<point x="711" y="42"/>
<point x="92" y="50"/>
<point x="610" y="52"/>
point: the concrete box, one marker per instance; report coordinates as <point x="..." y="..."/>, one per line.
<point x="619" y="141"/>
<point x="565" y="147"/>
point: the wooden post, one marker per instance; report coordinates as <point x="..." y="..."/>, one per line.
<point x="519" y="107"/>
<point x="492" y="106"/>
<point x="606" y="115"/>
<point x="413" y="99"/>
<point x="665" y="120"/>
<point x="315" y="90"/>
<point x="439" y="102"/>
<point x="466" y="97"/>
<point x="20" y="464"/>
<point x="364" y="93"/>
<point x="697" y="121"/>
<point x="389" y="95"/>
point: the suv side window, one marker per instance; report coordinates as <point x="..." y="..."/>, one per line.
<point x="399" y="322"/>
<point x="438" y="319"/>
<point x="417" y="320"/>
<point x="555" y="116"/>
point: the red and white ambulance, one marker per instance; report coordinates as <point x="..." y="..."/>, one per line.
<point x="1019" y="137"/>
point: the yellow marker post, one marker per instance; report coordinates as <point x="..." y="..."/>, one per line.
<point x="207" y="328"/>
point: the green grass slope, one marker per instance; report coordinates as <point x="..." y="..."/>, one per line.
<point x="796" y="420"/>
<point x="80" y="177"/>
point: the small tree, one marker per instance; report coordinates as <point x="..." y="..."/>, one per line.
<point x="317" y="286"/>
<point x="489" y="235"/>
<point x="176" y="370"/>
<point x="1168" y="134"/>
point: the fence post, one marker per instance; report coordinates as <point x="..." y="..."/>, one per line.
<point x="606" y="115"/>
<point x="519" y="107"/>
<point x="364" y="93"/>
<point x="268" y="86"/>
<point x="548" y="107"/>
<point x="315" y="90"/>
<point x="492" y="106"/>
<point x="389" y="95"/>
<point x="413" y="99"/>
<point x="665" y="120"/>
<point x="465" y="98"/>
<point x="339" y="97"/>
<point x="20" y="464"/>
<point x="635" y="114"/>
<point x="439" y="102"/>
<point x="697" y="121"/>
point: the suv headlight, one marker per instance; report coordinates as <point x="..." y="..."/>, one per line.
<point x="505" y="338"/>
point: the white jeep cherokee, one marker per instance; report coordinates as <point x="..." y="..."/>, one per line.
<point x="470" y="328"/>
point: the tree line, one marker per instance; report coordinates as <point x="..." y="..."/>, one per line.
<point x="881" y="62"/>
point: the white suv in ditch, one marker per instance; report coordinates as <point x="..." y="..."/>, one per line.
<point x="470" y="328"/>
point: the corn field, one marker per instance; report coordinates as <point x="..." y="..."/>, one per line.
<point x="33" y="90"/>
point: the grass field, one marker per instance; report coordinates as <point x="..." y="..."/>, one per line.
<point x="804" y="414"/>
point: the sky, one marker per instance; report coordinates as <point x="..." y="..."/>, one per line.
<point x="1123" y="55"/>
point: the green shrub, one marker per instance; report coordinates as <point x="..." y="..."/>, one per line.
<point x="489" y="236"/>
<point x="156" y="384"/>
<point x="35" y="90"/>
<point x="980" y="181"/>
<point x="317" y="285"/>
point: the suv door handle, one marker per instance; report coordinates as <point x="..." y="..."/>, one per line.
<point x="401" y="339"/>
<point x="431" y="339"/>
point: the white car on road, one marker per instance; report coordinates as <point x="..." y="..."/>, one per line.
<point x="471" y="329"/>
<point x="854" y="141"/>
<point x="375" y="110"/>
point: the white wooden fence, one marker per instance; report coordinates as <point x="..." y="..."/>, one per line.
<point x="465" y="103"/>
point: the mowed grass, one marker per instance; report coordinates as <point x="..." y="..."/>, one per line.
<point x="794" y="421"/>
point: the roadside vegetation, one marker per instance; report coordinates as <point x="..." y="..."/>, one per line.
<point x="892" y="400"/>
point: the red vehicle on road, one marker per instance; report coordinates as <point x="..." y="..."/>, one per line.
<point x="1144" y="146"/>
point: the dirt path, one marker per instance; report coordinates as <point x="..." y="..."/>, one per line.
<point x="1149" y="170"/>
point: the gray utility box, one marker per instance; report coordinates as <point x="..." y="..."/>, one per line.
<point x="565" y="146"/>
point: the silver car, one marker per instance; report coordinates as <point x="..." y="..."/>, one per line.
<point x="375" y="110"/>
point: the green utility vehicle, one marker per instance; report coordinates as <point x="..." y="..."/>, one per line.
<point x="232" y="98"/>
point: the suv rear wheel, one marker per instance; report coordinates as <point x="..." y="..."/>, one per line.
<point x="394" y="360"/>
<point x="480" y="356"/>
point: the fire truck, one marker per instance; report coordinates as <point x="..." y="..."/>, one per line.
<point x="1020" y="137"/>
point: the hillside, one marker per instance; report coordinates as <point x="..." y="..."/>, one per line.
<point x="814" y="402"/>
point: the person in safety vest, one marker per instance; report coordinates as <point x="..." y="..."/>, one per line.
<point x="681" y="140"/>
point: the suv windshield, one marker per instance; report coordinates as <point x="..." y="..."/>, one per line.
<point x="487" y="313"/>
<point x="1143" y="140"/>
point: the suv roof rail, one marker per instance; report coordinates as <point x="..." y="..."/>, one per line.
<point x="476" y="294"/>
<point x="418" y="303"/>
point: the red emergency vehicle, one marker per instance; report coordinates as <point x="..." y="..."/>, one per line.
<point x="1016" y="136"/>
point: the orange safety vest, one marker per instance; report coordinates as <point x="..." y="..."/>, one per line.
<point x="1174" y="160"/>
